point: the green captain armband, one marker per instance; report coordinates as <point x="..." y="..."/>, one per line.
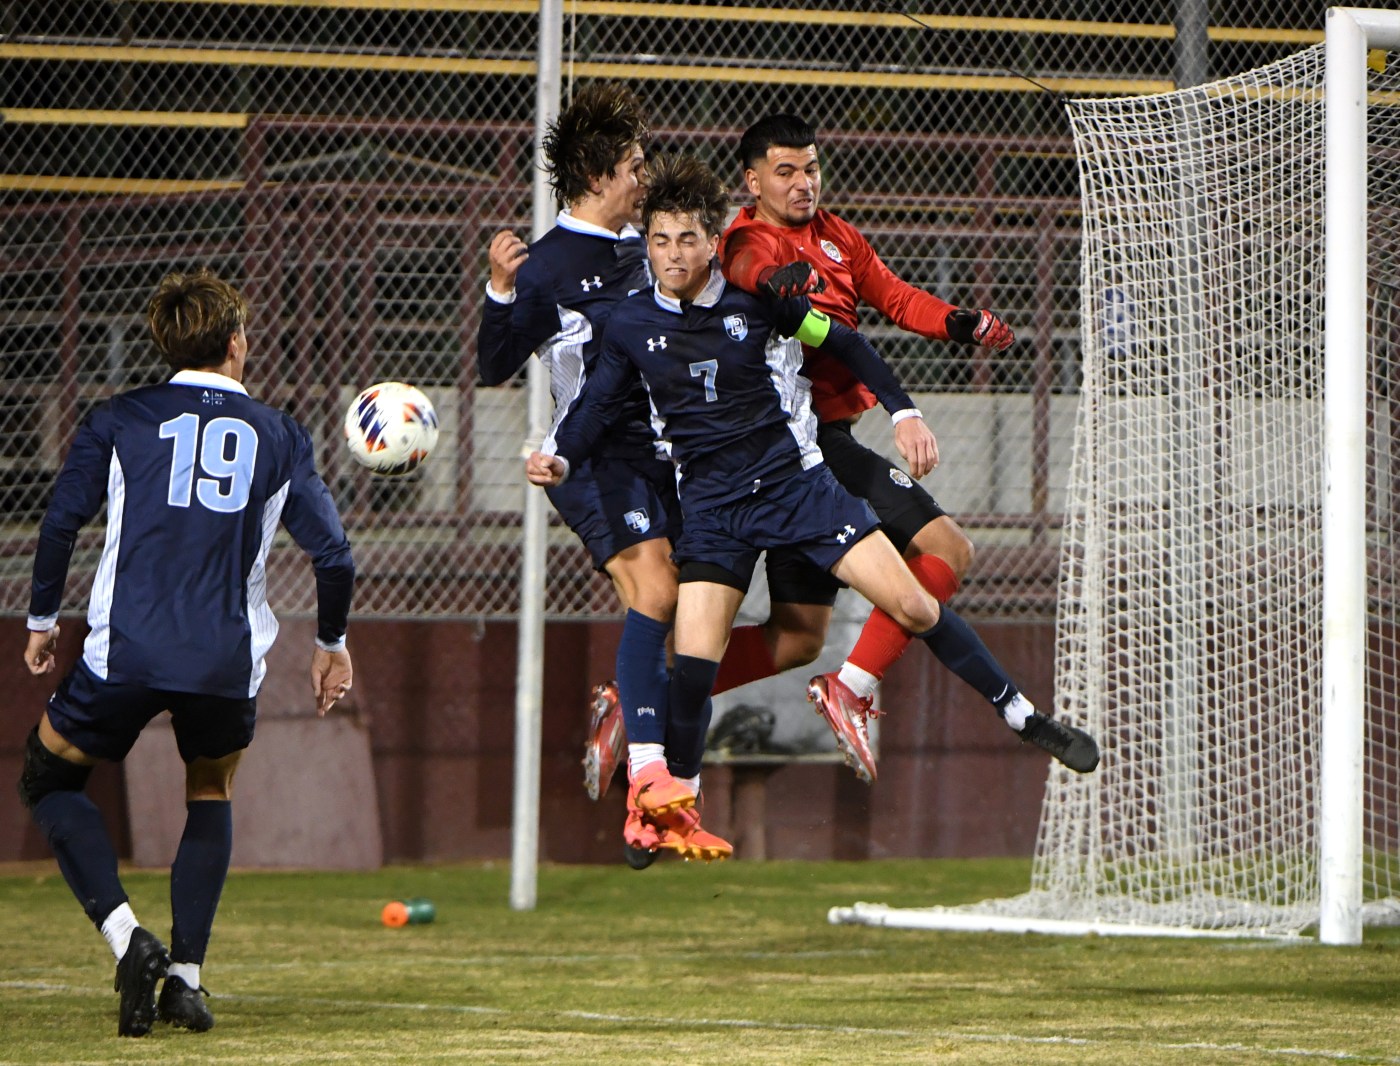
<point x="814" y="329"/>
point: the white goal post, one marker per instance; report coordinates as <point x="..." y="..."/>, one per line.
<point x="1229" y="612"/>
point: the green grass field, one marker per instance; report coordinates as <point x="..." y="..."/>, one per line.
<point x="729" y="963"/>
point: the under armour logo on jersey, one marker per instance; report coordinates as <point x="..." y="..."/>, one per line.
<point x="737" y="326"/>
<point x="832" y="252"/>
<point x="846" y="534"/>
<point x="638" y="521"/>
<point x="596" y="283"/>
<point x="654" y="343"/>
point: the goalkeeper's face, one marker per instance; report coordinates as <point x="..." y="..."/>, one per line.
<point x="786" y="184"/>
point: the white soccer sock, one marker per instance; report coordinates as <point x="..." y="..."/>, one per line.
<point x="642" y="755"/>
<point x="118" y="927"/>
<point x="1016" y="711"/>
<point x="187" y="972"/>
<point x="692" y="783"/>
<point x="862" y="682"/>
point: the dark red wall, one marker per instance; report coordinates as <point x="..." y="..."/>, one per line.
<point x="438" y="700"/>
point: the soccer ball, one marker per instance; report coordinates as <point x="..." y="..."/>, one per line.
<point x="391" y="427"/>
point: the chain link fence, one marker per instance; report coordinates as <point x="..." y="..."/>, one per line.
<point x="346" y="162"/>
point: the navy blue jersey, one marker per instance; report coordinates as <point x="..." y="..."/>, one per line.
<point x="576" y="274"/>
<point x="723" y="377"/>
<point x="196" y="476"/>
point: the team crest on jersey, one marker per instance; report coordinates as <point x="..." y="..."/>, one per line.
<point x="737" y="326"/>
<point x="832" y="252"/>
<point x="638" y="521"/>
<point x="900" y="478"/>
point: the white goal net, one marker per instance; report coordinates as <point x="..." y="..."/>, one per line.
<point x="1190" y="608"/>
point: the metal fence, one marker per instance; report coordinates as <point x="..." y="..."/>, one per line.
<point x="347" y="161"/>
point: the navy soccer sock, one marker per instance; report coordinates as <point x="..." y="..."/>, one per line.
<point x="72" y="824"/>
<point x="689" y="720"/>
<point x="961" y="650"/>
<point x="642" y="684"/>
<point x="197" y="877"/>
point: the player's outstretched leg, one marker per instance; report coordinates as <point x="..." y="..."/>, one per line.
<point x="847" y="714"/>
<point x="184" y="1007"/>
<point x="607" y="738"/>
<point x="139" y="969"/>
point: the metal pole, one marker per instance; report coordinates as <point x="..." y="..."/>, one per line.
<point x="1192" y="43"/>
<point x="529" y="667"/>
<point x="1343" y="515"/>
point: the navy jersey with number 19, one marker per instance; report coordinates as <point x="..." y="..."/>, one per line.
<point x="196" y="476"/>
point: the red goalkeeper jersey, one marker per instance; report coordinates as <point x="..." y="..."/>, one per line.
<point x="853" y="272"/>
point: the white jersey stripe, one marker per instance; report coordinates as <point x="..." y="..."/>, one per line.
<point x="262" y="623"/>
<point x="784" y="358"/>
<point x="99" y="640"/>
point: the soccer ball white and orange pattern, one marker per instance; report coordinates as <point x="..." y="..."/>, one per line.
<point x="391" y="427"/>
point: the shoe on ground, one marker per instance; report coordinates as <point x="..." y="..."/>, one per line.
<point x="683" y="834"/>
<point x="640" y="835"/>
<point x="848" y="715"/>
<point x="1073" y="747"/>
<point x="607" y="737"/>
<point x="656" y="792"/>
<point x="138" y="971"/>
<point x="184" y="1007"/>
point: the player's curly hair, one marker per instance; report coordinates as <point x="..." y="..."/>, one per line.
<point x="192" y="316"/>
<point x="683" y="184"/>
<point x="778" y="130"/>
<point x="589" y="138"/>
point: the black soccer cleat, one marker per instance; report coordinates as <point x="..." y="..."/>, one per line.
<point x="1073" y="747"/>
<point x="144" y="963"/>
<point x="638" y="858"/>
<point x="184" y="1007"/>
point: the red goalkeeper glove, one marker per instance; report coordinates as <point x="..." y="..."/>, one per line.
<point x="795" y="279"/>
<point x="967" y="326"/>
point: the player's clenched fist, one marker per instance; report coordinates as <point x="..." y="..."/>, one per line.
<point x="507" y="254"/>
<point x="546" y="470"/>
<point x="968" y="326"/>
<point x="796" y="279"/>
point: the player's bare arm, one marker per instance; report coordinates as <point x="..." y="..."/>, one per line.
<point x="507" y="255"/>
<point x="331" y="675"/>
<point x="39" y="652"/>
<point x="917" y="446"/>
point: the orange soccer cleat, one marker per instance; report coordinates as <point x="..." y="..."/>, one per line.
<point x="657" y="792"/>
<point x="683" y="834"/>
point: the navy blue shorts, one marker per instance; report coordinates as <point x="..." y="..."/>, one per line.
<point x="904" y="506"/>
<point x="808" y="514"/>
<point x="612" y="504"/>
<point x="104" y="718"/>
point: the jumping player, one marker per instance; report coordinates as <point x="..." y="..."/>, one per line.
<point x="786" y="245"/>
<point x="553" y="298"/>
<point x="196" y="477"/>
<point x="723" y="377"/>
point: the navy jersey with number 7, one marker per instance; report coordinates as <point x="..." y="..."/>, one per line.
<point x="196" y="476"/>
<point x="723" y="373"/>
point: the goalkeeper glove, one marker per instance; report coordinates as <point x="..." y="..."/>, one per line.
<point x="795" y="279"/>
<point x="967" y="326"/>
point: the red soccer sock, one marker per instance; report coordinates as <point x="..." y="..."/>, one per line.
<point x="935" y="575"/>
<point x="881" y="642"/>
<point x="747" y="658"/>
